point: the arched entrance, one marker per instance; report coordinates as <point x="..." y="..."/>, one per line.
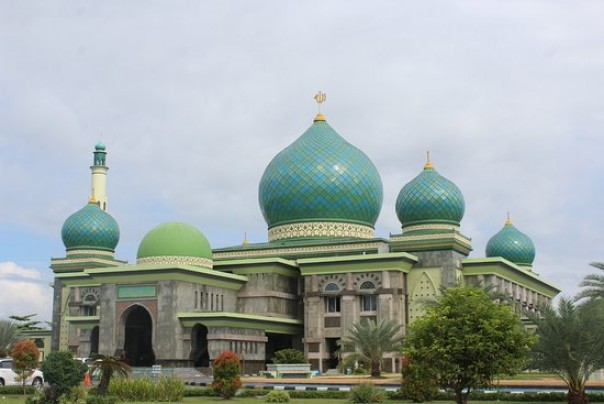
<point x="94" y="341"/>
<point x="138" y="346"/>
<point x="199" y="346"/>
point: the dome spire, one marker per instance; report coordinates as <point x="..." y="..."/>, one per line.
<point x="428" y="163"/>
<point x="508" y="221"/>
<point x="320" y="98"/>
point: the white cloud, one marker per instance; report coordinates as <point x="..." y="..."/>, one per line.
<point x="20" y="298"/>
<point x="12" y="270"/>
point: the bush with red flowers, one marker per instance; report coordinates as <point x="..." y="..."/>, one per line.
<point x="227" y="371"/>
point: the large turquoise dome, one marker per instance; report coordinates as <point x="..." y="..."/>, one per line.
<point x="90" y="228"/>
<point x="430" y="198"/>
<point x="513" y="245"/>
<point x="320" y="186"/>
<point x="175" y="243"/>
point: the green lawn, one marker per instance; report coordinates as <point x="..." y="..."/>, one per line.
<point x="10" y="399"/>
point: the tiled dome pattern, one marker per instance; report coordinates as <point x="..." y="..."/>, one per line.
<point x="513" y="245"/>
<point x="430" y="197"/>
<point x="90" y="228"/>
<point x="318" y="177"/>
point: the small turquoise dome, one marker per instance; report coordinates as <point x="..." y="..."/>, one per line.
<point x="513" y="245"/>
<point x="90" y="228"/>
<point x="430" y="198"/>
<point x="320" y="177"/>
<point x="175" y="243"/>
<point x="100" y="146"/>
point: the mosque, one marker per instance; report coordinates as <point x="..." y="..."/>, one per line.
<point x="321" y="270"/>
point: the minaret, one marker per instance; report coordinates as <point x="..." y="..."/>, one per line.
<point x="99" y="176"/>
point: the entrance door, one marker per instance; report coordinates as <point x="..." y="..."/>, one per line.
<point x="199" y="346"/>
<point x="94" y="341"/>
<point x="332" y="346"/>
<point x="138" y="346"/>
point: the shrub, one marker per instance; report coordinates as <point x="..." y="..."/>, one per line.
<point x="77" y="395"/>
<point x="366" y="393"/>
<point x="62" y="372"/>
<point x="227" y="371"/>
<point x="13" y="390"/>
<point x="289" y="356"/>
<point x="419" y="384"/>
<point x="277" y="396"/>
<point x="199" y="392"/>
<point x="164" y="389"/>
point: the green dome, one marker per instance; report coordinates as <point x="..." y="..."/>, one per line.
<point x="100" y="146"/>
<point x="430" y="198"/>
<point x="90" y="228"/>
<point x="320" y="186"/>
<point x="513" y="245"/>
<point x="175" y="243"/>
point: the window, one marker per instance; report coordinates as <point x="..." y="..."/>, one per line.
<point x="332" y="304"/>
<point x="332" y="287"/>
<point x="368" y="303"/>
<point x="367" y="285"/>
<point x="89" y="310"/>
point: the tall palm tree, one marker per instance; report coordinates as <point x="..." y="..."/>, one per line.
<point x="593" y="284"/>
<point x="9" y="334"/>
<point x="571" y="343"/>
<point x="108" y="366"/>
<point x="372" y="339"/>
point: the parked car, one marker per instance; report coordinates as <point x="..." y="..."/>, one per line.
<point x="9" y="377"/>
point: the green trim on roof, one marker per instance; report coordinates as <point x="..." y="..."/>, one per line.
<point x="402" y="262"/>
<point x="509" y="271"/>
<point x="84" y="322"/>
<point x="184" y="273"/>
<point x="259" y="266"/>
<point x="275" y="325"/>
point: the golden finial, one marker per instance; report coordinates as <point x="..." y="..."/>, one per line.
<point x="428" y="163"/>
<point x="245" y="240"/>
<point x="92" y="199"/>
<point x="320" y="98"/>
<point x="508" y="221"/>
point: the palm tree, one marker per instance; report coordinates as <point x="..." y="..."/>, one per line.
<point x="371" y="340"/>
<point x="9" y="334"/>
<point x="571" y="343"/>
<point x="593" y="284"/>
<point x="108" y="365"/>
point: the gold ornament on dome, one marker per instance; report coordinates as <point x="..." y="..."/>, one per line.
<point x="320" y="98"/>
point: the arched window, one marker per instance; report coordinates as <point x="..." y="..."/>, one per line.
<point x="368" y="301"/>
<point x="332" y="287"/>
<point x="367" y="285"/>
<point x="89" y="305"/>
<point x="332" y="303"/>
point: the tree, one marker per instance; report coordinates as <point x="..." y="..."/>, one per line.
<point x="108" y="366"/>
<point x="25" y="356"/>
<point x="371" y="340"/>
<point x="466" y="341"/>
<point x="9" y="334"/>
<point x="62" y="372"/>
<point x="593" y="284"/>
<point x="227" y="371"/>
<point x="571" y="343"/>
<point x="25" y="323"/>
<point x="288" y="355"/>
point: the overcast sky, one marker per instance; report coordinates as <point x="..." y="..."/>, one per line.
<point x="194" y="98"/>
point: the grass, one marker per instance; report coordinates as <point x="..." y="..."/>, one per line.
<point x="13" y="399"/>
